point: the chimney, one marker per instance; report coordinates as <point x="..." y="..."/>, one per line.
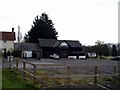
<point x="12" y="29"/>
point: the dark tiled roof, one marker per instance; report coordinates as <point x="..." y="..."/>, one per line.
<point x="74" y="43"/>
<point x="47" y="42"/>
<point x="56" y="43"/>
<point x="7" y="36"/>
<point x="27" y="47"/>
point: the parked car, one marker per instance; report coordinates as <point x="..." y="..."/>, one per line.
<point x="72" y="57"/>
<point x="54" y="56"/>
<point x="117" y="58"/>
<point x="82" y="57"/>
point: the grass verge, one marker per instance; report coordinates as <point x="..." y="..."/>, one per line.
<point x="11" y="79"/>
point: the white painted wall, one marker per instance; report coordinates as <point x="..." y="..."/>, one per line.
<point x="0" y="45"/>
<point x="29" y="53"/>
<point x="8" y="45"/>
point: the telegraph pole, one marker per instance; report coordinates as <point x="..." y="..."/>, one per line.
<point x="18" y="37"/>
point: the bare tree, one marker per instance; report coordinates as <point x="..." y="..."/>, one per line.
<point x="19" y="36"/>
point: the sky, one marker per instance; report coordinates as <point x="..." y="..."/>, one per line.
<point x="83" y="20"/>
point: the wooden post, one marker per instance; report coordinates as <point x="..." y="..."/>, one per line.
<point x="39" y="55"/>
<point x="95" y="77"/>
<point x="9" y="59"/>
<point x="24" y="67"/>
<point x="34" y="73"/>
<point x="17" y="63"/>
<point x="115" y="71"/>
<point x="34" y="69"/>
<point x="68" y="74"/>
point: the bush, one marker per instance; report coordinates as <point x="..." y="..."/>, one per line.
<point x="17" y="54"/>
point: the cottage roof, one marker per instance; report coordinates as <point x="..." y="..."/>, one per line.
<point x="27" y="47"/>
<point x="56" y="43"/>
<point x="7" y="36"/>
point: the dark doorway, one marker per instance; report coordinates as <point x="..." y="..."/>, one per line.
<point x="5" y="53"/>
<point x="34" y="55"/>
<point x="63" y="53"/>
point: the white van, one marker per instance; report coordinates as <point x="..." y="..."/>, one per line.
<point x="82" y="56"/>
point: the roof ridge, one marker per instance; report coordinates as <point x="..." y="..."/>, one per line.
<point x="25" y="43"/>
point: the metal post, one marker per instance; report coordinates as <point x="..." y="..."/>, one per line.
<point x="95" y="77"/>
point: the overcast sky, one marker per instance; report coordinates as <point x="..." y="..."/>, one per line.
<point x="83" y="20"/>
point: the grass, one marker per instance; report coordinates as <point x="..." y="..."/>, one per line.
<point x="50" y="82"/>
<point x="0" y="78"/>
<point x="103" y="58"/>
<point x="13" y="79"/>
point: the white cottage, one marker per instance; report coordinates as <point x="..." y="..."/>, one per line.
<point x="7" y="40"/>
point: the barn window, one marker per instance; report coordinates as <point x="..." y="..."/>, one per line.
<point x="63" y="45"/>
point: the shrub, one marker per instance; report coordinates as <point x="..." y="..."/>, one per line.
<point x="17" y="54"/>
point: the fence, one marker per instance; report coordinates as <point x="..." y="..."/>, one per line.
<point x="33" y="70"/>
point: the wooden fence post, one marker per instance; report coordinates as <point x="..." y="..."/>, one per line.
<point x="24" y="67"/>
<point x="95" y="73"/>
<point x="115" y="71"/>
<point x="17" y="63"/>
<point x="34" y="73"/>
<point x="68" y="74"/>
<point x="9" y="60"/>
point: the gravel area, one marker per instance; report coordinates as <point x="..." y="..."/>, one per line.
<point x="77" y="65"/>
<point x="104" y="65"/>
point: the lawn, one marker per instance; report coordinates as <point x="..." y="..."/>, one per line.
<point x="13" y="80"/>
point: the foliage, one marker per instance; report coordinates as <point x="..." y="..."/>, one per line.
<point x="105" y="50"/>
<point x="16" y="54"/>
<point x="118" y="49"/>
<point x="42" y="28"/>
<point x="114" y="50"/>
<point x="99" y="48"/>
